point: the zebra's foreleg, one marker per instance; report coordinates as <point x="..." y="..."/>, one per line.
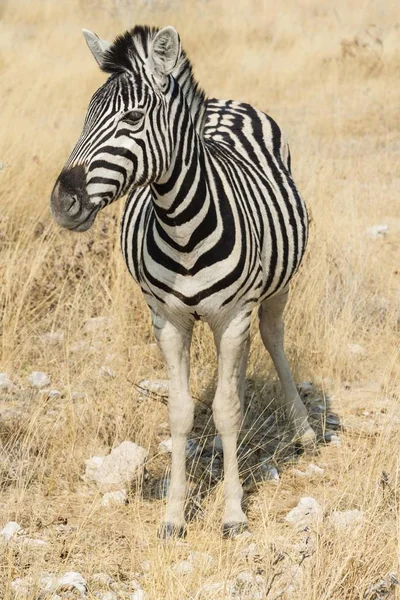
<point x="175" y="346"/>
<point x="272" y="334"/>
<point x="232" y="346"/>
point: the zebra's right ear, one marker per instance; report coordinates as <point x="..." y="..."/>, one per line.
<point x="97" y="46"/>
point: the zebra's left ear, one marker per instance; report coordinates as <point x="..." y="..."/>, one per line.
<point x="165" y="51"/>
<point x="97" y="46"/>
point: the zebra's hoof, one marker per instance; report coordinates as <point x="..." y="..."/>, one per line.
<point x="167" y="531"/>
<point x="232" y="530"/>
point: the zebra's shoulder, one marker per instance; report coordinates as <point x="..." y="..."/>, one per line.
<point x="231" y="122"/>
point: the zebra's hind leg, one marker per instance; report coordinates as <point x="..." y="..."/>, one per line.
<point x="272" y="334"/>
<point x="175" y="346"/>
<point x="232" y="346"/>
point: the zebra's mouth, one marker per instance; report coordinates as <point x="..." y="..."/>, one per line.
<point x="87" y="221"/>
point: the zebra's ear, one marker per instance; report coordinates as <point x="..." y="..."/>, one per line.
<point x="165" y="51"/>
<point x="97" y="46"/>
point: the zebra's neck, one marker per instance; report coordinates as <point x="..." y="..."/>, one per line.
<point x="182" y="198"/>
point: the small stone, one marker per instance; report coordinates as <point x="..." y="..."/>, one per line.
<point x="184" y="567"/>
<point x="54" y="394"/>
<point x="106" y="371"/>
<point x="356" y="349"/>
<point x="10" y="530"/>
<point x="342" y="520"/>
<point x="68" y="582"/>
<point x="269" y="472"/>
<point x="22" y="587"/>
<point x="307" y="512"/>
<point x="103" y="579"/>
<point x="154" y="386"/>
<point x="249" y="551"/>
<point x="98" y="324"/>
<point x="33" y="543"/>
<point x="5" y="382"/>
<point x="106" y="595"/>
<point x="377" y="231"/>
<point x="118" y="468"/>
<point x="38" y="379"/>
<point x="78" y="395"/>
<point x="53" y="338"/>
<point x="165" y="447"/>
<point x="138" y="595"/>
<point x="202" y="559"/>
<point x="382" y="589"/>
<point x="310" y="471"/>
<point x="117" y="498"/>
<point x="192" y="448"/>
<point x="332" y="438"/>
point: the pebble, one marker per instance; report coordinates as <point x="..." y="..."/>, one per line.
<point x="249" y="551"/>
<point x="332" y="438"/>
<point x="342" y="520"/>
<point x="98" y="324"/>
<point x="78" y="395"/>
<point x="39" y="379"/>
<point x="106" y="371"/>
<point x="332" y="421"/>
<point x="154" y="386"/>
<point x="382" y="589"/>
<point x="307" y="512"/>
<point x="377" y="231"/>
<point x="5" y="382"/>
<point x="10" y="530"/>
<point x="103" y="579"/>
<point x="114" y="471"/>
<point x="192" y="447"/>
<point x="356" y="349"/>
<point x="310" y="471"/>
<point x="52" y="338"/>
<point x="117" y="498"/>
<point x="184" y="567"/>
<point x="68" y="582"/>
<point x="269" y="472"/>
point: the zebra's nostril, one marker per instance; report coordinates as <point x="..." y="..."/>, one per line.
<point x="74" y="205"/>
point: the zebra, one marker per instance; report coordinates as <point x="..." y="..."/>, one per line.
<point x="213" y="227"/>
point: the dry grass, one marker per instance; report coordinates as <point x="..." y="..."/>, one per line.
<point x="329" y="73"/>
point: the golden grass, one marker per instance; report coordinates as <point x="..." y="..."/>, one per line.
<point x="329" y="74"/>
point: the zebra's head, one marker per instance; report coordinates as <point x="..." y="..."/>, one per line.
<point x="126" y="140"/>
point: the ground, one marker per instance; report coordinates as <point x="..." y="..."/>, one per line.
<point x="329" y="74"/>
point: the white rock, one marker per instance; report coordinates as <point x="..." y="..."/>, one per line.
<point x="54" y="394"/>
<point x="39" y="379"/>
<point x="10" y="530"/>
<point x="310" y="471"/>
<point x="138" y="595"/>
<point x="356" y="349"/>
<point x="342" y="520"/>
<point x="154" y="386"/>
<point x="22" y="587"/>
<point x="118" y="468"/>
<point x="307" y="511"/>
<point x="106" y="595"/>
<point x="192" y="447"/>
<point x="202" y="559"/>
<point x="165" y="447"/>
<point x="5" y="382"/>
<point x="33" y="543"/>
<point x="184" y="567"/>
<point x="117" y="498"/>
<point x="52" y="338"/>
<point x="91" y="467"/>
<point x="106" y="371"/>
<point x="270" y="473"/>
<point x="78" y="395"/>
<point x="377" y="231"/>
<point x="335" y="440"/>
<point x="249" y="551"/>
<point x="102" y="579"/>
<point x="67" y="582"/>
<point x="98" y="324"/>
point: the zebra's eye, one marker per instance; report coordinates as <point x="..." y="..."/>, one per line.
<point x="133" y="116"/>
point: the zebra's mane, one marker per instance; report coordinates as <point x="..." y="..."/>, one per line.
<point x="129" y="52"/>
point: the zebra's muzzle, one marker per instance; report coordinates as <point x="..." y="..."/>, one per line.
<point x="69" y="204"/>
